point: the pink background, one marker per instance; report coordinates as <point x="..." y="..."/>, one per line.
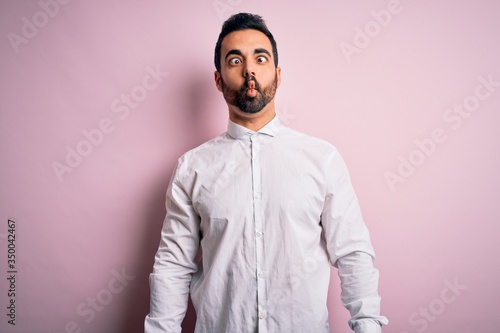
<point x="434" y="226"/>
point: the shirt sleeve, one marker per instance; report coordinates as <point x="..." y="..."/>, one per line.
<point x="174" y="262"/>
<point x="350" y="250"/>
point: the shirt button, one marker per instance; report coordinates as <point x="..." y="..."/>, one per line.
<point x="261" y="275"/>
<point x="257" y="196"/>
<point x="262" y="316"/>
<point x="259" y="234"/>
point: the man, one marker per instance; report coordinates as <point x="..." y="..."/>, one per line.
<point x="255" y="216"/>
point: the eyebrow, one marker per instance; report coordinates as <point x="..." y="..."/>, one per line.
<point x="238" y="52"/>
<point x="261" y="50"/>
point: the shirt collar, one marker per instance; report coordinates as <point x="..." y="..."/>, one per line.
<point x="237" y="131"/>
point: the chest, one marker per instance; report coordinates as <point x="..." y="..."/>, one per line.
<point x="274" y="182"/>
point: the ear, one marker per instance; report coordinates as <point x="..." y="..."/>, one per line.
<point x="218" y="80"/>
<point x="278" y="76"/>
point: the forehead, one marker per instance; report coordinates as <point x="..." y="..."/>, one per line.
<point x="246" y="41"/>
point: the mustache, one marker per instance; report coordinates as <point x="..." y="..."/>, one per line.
<point x="249" y="78"/>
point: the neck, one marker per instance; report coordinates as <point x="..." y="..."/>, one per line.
<point x="255" y="121"/>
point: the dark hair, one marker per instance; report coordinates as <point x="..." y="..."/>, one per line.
<point x="243" y="21"/>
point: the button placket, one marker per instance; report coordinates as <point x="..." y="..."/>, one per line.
<point x="259" y="240"/>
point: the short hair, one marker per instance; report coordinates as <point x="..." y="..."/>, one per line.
<point x="243" y="21"/>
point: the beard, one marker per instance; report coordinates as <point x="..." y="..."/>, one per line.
<point x="246" y="103"/>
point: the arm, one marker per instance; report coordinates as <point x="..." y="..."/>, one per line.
<point x="350" y="250"/>
<point x="359" y="282"/>
<point x="174" y="262"/>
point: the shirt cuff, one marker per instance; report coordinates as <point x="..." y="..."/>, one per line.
<point x="368" y="327"/>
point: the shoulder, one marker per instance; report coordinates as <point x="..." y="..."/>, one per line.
<point x="307" y="142"/>
<point x="201" y="154"/>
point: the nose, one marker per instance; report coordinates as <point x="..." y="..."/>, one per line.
<point x="248" y="70"/>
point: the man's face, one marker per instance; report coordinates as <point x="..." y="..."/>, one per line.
<point x="248" y="78"/>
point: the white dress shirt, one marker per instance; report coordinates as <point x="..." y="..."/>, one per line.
<point x="254" y="220"/>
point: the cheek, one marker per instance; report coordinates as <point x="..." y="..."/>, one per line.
<point x="232" y="79"/>
<point x="268" y="76"/>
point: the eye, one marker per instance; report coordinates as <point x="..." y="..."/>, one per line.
<point x="261" y="59"/>
<point x="234" y="61"/>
